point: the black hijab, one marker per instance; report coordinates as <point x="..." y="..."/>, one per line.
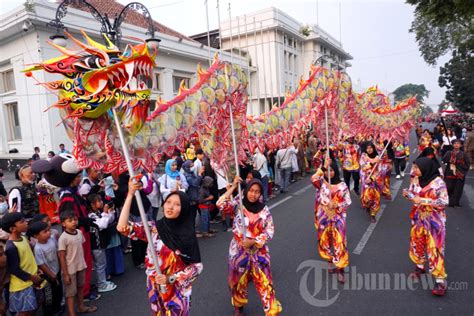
<point x="428" y="169"/>
<point x="179" y="233"/>
<point x="256" y="206"/>
<point x="429" y="151"/>
<point x="374" y="153"/>
<point x="337" y="178"/>
<point x="256" y="174"/>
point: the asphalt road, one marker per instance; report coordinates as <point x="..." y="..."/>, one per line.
<point x="376" y="278"/>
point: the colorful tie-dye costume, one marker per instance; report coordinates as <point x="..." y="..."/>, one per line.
<point x="385" y="171"/>
<point x="253" y="264"/>
<point x="349" y="154"/>
<point x="371" y="192"/>
<point x="427" y="141"/>
<point x="331" y="223"/>
<point x="177" y="297"/>
<point x="428" y="229"/>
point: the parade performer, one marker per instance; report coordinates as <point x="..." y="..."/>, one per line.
<point x="177" y="249"/>
<point x="385" y="166"/>
<point x="330" y="207"/>
<point x="350" y="155"/>
<point x="427" y="141"/>
<point x="401" y="153"/>
<point x="371" y="187"/>
<point x="249" y="256"/>
<point x="428" y="218"/>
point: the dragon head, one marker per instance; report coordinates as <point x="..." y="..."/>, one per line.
<point x="99" y="77"/>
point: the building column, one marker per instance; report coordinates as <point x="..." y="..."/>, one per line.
<point x="167" y="81"/>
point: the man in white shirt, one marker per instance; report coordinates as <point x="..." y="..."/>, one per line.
<point x="283" y="162"/>
<point x="199" y="162"/>
<point x="260" y="164"/>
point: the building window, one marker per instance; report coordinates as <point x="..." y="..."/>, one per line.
<point x="177" y="81"/>
<point x="156" y="82"/>
<point x="13" y="121"/>
<point x="7" y="81"/>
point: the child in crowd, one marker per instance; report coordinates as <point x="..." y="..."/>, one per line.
<point x="45" y="219"/>
<point x="73" y="264"/>
<point x="22" y="266"/>
<point x="3" y="206"/>
<point x="4" y="276"/>
<point x="103" y="216"/>
<point x="46" y="255"/>
<point x="205" y="204"/>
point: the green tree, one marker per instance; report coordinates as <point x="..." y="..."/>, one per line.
<point x="408" y="90"/>
<point x="426" y="109"/>
<point x="443" y="26"/>
<point x="457" y="76"/>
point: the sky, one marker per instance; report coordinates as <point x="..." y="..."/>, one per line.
<point x="374" y="32"/>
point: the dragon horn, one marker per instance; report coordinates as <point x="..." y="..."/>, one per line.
<point x="64" y="50"/>
<point x="109" y="48"/>
<point x="89" y="49"/>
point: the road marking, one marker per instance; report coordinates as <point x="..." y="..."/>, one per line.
<point x="303" y="190"/>
<point x="280" y="202"/>
<point x="365" y="238"/>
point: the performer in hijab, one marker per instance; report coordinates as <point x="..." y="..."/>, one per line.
<point x="371" y="187"/>
<point x="428" y="218"/>
<point x="330" y="211"/>
<point x="177" y="249"/>
<point x="430" y="153"/>
<point x="249" y="256"/>
<point x="385" y="167"/>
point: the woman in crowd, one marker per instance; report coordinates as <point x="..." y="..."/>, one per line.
<point x="172" y="180"/>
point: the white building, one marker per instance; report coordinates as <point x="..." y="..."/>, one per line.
<point x="23" y="40"/>
<point x="280" y="50"/>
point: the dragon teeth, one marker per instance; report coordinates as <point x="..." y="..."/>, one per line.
<point x="129" y="67"/>
<point x="133" y="84"/>
<point x="122" y="71"/>
<point x="116" y="75"/>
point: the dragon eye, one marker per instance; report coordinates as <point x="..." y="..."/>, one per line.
<point x="94" y="62"/>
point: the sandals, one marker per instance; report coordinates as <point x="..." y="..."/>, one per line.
<point x="88" y="309"/>
<point x="208" y="235"/>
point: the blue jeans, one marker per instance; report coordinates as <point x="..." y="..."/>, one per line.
<point x="100" y="264"/>
<point x="265" y="189"/>
<point x="205" y="220"/>
<point x="285" y="174"/>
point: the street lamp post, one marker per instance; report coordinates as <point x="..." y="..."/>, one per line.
<point x="114" y="33"/>
<point x="112" y="30"/>
<point x="320" y="58"/>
